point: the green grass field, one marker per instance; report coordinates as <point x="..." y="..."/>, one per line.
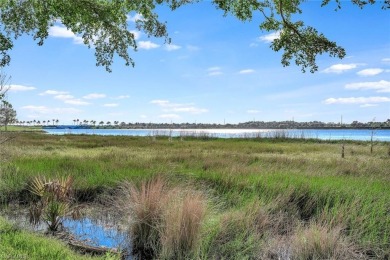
<point x="265" y="197"/>
<point x="12" y="128"/>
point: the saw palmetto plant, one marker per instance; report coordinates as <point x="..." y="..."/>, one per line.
<point x="55" y="201"/>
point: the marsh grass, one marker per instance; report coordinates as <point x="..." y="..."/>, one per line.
<point x="321" y="242"/>
<point x="182" y="227"/>
<point x="296" y="182"/>
<point x="165" y="221"/>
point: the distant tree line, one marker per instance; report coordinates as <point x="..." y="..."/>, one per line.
<point x="78" y="123"/>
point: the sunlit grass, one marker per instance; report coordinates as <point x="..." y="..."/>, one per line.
<point x="290" y="181"/>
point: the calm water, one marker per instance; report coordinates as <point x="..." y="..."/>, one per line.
<point x="323" y="134"/>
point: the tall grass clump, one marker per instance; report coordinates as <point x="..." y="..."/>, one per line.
<point x="164" y="222"/>
<point x="321" y="242"/>
<point x="145" y="207"/>
<point x="183" y="222"/>
<point x="236" y="234"/>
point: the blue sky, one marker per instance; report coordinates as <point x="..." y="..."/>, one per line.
<point x="216" y="69"/>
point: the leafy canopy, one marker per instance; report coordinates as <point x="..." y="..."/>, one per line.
<point x="102" y="24"/>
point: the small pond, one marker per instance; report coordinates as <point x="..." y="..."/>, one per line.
<point x="98" y="227"/>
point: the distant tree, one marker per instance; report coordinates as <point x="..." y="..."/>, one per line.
<point x="103" y="24"/>
<point x="7" y="115"/>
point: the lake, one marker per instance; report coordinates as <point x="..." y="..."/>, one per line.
<point x="323" y="134"/>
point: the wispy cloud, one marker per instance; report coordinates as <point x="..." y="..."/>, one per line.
<point x="53" y="92"/>
<point x="268" y="38"/>
<point x="370" y="72"/>
<point x="94" y="96"/>
<point x="369" y="105"/>
<point x="172" y="47"/>
<point x="62" y="32"/>
<point x="214" y="71"/>
<point x="167" y="106"/>
<point x="63" y="97"/>
<point x="386" y="60"/>
<point x="111" y="105"/>
<point x="357" y="100"/>
<point x="17" y="88"/>
<point x="246" y="71"/>
<point x="340" y="68"/>
<point x="77" y="102"/>
<point x="147" y="45"/>
<point x="122" y="97"/>
<point x="382" y="86"/>
<point x="192" y="110"/>
<point x="253" y="111"/>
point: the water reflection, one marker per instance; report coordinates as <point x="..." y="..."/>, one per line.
<point x="98" y="228"/>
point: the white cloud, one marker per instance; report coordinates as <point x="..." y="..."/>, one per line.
<point x="122" y="97"/>
<point x="47" y="110"/>
<point x="253" y="44"/>
<point x="63" y="97"/>
<point x="357" y="100"/>
<point x="111" y="105"/>
<point x="160" y="102"/>
<point x="270" y="37"/>
<point x="178" y="108"/>
<point x="214" y="71"/>
<point x="214" y="68"/>
<point x="62" y="32"/>
<point x="77" y="102"/>
<point x="135" y="18"/>
<point x="369" y="105"/>
<point x="253" y="111"/>
<point x="370" y="72"/>
<point x="147" y="45"/>
<point x="16" y="88"/>
<point x="137" y="34"/>
<point x="192" y="110"/>
<point x="246" y="71"/>
<point x="340" y="68"/>
<point x="172" y="47"/>
<point x="94" y="96"/>
<point x="53" y="92"/>
<point x="169" y="116"/>
<point x="382" y="86"/>
<point x="386" y="60"/>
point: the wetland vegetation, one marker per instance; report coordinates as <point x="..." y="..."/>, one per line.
<point x="209" y="198"/>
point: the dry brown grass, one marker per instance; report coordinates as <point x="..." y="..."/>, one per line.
<point x="311" y="242"/>
<point x="145" y="207"/>
<point x="183" y="222"/>
<point x="321" y="242"/>
<point x="165" y="222"/>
